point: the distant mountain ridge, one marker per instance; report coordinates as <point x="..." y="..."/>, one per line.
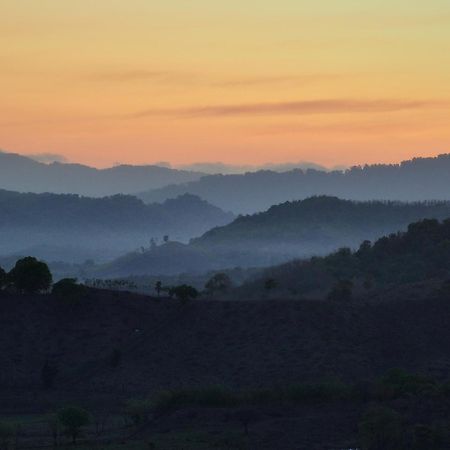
<point x="314" y="226"/>
<point x="22" y="174"/>
<point x="70" y="226"/>
<point x="413" y="180"/>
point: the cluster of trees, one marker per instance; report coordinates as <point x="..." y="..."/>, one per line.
<point x="27" y="276"/>
<point x="217" y="285"/>
<point x="420" y="253"/>
<point x="31" y="276"/>
<point x="69" y="421"/>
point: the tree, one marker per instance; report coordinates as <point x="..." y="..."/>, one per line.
<point x="183" y="292"/>
<point x="73" y="419"/>
<point x="3" y="278"/>
<point x="270" y="284"/>
<point x="30" y="275"/>
<point x="137" y="411"/>
<point x="158" y="287"/>
<point x="219" y="283"/>
<point x="166" y="238"/>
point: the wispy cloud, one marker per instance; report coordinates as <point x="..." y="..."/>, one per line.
<point x="161" y="76"/>
<point x="309" y="107"/>
<point x="203" y="79"/>
<point x="281" y="79"/>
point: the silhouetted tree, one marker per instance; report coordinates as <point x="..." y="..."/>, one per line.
<point x="166" y="238"/>
<point x="73" y="419"/>
<point x="3" y="278"/>
<point x="270" y="284"/>
<point x="30" y="275"/>
<point x="219" y="283"/>
<point x="184" y="292"/>
<point x="158" y="287"/>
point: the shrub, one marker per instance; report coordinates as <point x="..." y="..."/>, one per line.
<point x="317" y="392"/>
<point x="7" y="433"/>
<point x="69" y="290"/>
<point x="426" y="437"/>
<point x="183" y="292"/>
<point x="30" y="275"/>
<point x="209" y="397"/>
<point x="398" y="383"/>
<point x="381" y="429"/>
<point x="137" y="411"/>
<point x="73" y="419"/>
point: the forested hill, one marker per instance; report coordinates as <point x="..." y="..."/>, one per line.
<point x="19" y="173"/>
<point x="109" y="225"/>
<point x="412" y="180"/>
<point x="315" y="226"/>
<point x="419" y="255"/>
<point x="319" y="224"/>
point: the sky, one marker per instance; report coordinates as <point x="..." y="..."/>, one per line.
<point x="244" y="82"/>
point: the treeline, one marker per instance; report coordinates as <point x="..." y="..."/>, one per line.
<point x="413" y="180"/>
<point x="70" y="211"/>
<point x="382" y="424"/>
<point x="323" y="219"/>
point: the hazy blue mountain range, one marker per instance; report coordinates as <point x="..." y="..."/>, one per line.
<point x="69" y="227"/>
<point x="315" y="226"/>
<point x="22" y="174"/>
<point x="414" y="180"/>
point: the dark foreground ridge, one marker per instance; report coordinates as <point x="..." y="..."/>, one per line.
<point x="165" y="344"/>
<point x="109" y="347"/>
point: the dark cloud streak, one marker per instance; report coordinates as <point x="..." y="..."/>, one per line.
<point x="310" y="107"/>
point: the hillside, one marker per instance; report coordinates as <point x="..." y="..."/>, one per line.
<point x="315" y="226"/>
<point x="413" y="180"/>
<point x="419" y="255"/>
<point x="70" y="227"/>
<point x="214" y="342"/>
<point x="22" y="174"/>
<point x="243" y="344"/>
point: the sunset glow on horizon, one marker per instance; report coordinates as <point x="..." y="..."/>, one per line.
<point x="337" y="83"/>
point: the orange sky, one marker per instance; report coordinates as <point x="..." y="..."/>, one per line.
<point x="105" y="81"/>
